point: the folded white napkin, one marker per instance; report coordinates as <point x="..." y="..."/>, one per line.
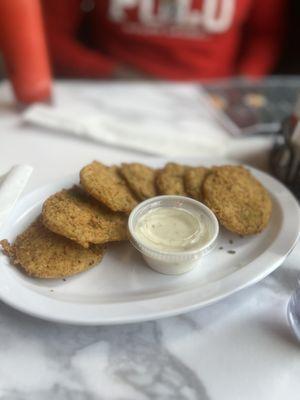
<point x="12" y="185"/>
<point x="160" y="119"/>
<point x="156" y="138"/>
<point x="172" y="120"/>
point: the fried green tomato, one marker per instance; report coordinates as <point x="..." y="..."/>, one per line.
<point x="170" y="180"/>
<point x="240" y="202"/>
<point x="76" y="215"/>
<point x="140" y="178"/>
<point x="107" y="186"/>
<point x="41" y="253"/>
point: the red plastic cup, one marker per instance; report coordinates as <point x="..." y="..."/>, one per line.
<point x="22" y="41"/>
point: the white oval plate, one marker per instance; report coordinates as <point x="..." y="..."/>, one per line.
<point x="123" y="289"/>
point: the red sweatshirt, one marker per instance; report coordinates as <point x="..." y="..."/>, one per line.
<point x="171" y="39"/>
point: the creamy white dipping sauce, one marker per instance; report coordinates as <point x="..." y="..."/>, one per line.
<point x="173" y="229"/>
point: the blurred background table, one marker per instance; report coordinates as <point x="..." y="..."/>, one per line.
<point x="239" y="348"/>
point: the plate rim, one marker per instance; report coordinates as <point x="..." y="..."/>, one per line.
<point x="145" y="313"/>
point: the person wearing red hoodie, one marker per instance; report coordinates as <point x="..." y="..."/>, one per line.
<point x="166" y="39"/>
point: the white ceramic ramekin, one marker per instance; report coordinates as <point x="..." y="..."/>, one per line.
<point x="171" y="262"/>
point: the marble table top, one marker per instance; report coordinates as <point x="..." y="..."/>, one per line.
<point x="238" y="349"/>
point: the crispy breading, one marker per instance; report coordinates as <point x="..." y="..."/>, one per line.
<point x="193" y="180"/>
<point x="239" y="201"/>
<point x="76" y="215"/>
<point x="140" y="178"/>
<point x="170" y="181"/>
<point x="106" y="185"/>
<point x="43" y="254"/>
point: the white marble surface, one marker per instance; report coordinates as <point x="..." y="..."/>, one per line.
<point x="240" y="348"/>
